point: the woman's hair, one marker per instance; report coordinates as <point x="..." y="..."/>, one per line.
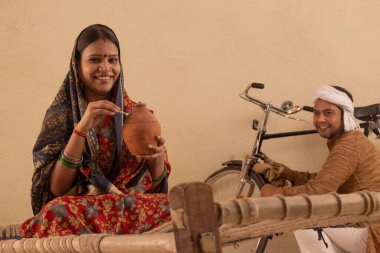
<point x="93" y="33"/>
<point x="345" y="91"/>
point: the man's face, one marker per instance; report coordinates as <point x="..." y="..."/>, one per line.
<point x="327" y="119"/>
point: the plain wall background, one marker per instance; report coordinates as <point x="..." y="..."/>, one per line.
<point x="188" y="60"/>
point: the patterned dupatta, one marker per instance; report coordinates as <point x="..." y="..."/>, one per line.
<point x="61" y="117"/>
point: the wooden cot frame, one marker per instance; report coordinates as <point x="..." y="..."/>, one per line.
<point x="201" y="226"/>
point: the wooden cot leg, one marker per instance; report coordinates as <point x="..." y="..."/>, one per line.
<point x="195" y="222"/>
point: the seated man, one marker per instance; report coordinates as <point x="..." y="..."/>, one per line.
<point x="353" y="164"/>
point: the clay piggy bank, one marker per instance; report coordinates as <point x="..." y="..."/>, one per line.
<point x="140" y="130"/>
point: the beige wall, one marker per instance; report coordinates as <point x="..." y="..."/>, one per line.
<point x="188" y="60"/>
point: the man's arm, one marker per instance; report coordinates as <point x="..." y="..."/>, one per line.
<point x="338" y="167"/>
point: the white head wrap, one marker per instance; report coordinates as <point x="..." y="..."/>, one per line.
<point x="334" y="96"/>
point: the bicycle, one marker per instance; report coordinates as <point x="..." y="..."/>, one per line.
<point x="238" y="178"/>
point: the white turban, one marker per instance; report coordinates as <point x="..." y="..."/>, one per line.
<point x="339" y="98"/>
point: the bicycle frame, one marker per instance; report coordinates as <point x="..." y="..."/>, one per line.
<point x="261" y="135"/>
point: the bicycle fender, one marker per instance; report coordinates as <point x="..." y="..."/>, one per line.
<point x="233" y="162"/>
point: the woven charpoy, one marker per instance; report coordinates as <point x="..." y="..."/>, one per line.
<point x="7" y="246"/>
<point x="30" y="245"/>
<point x="46" y="244"/>
<point x="240" y="220"/>
<point x="91" y="242"/>
<point x="164" y="228"/>
<point x="235" y="233"/>
<point x="60" y="244"/>
<point x="230" y="233"/>
<point x="257" y="217"/>
<point x="66" y="243"/>
<point x="20" y="246"/>
<point x="8" y="231"/>
<point x="55" y="244"/>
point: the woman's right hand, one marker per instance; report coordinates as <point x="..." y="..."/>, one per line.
<point x="94" y="114"/>
<point x="62" y="177"/>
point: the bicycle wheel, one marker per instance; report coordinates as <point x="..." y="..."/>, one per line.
<point x="226" y="182"/>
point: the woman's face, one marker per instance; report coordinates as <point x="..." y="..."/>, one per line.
<point x="99" y="68"/>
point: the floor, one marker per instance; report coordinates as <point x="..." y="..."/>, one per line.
<point x="285" y="243"/>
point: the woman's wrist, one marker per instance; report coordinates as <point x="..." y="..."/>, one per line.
<point x="162" y="176"/>
<point x="69" y="162"/>
<point x="80" y="133"/>
<point x="72" y="158"/>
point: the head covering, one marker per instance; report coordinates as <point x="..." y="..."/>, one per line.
<point x="339" y="98"/>
<point x="60" y="119"/>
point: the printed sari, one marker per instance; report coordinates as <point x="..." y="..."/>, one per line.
<point x="133" y="212"/>
<point x="106" y="161"/>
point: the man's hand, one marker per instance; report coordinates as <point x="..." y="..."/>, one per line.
<point x="269" y="190"/>
<point x="284" y="172"/>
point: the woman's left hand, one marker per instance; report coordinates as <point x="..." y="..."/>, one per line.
<point x="157" y="158"/>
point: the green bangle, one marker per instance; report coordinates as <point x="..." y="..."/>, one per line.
<point x="67" y="163"/>
<point x="158" y="179"/>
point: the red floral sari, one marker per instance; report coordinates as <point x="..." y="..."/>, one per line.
<point x="132" y="213"/>
<point x="106" y="160"/>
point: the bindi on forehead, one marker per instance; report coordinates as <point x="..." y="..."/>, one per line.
<point x="109" y="55"/>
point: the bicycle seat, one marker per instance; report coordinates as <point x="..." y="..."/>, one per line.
<point x="367" y="113"/>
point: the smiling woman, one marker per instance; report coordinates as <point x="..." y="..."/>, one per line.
<point x="85" y="178"/>
<point x="99" y="69"/>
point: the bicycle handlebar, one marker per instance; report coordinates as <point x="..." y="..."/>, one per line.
<point x="273" y="108"/>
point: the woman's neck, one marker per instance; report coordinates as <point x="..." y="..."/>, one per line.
<point x="91" y="97"/>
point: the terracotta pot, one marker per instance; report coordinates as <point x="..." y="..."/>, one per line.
<point x="140" y="130"/>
